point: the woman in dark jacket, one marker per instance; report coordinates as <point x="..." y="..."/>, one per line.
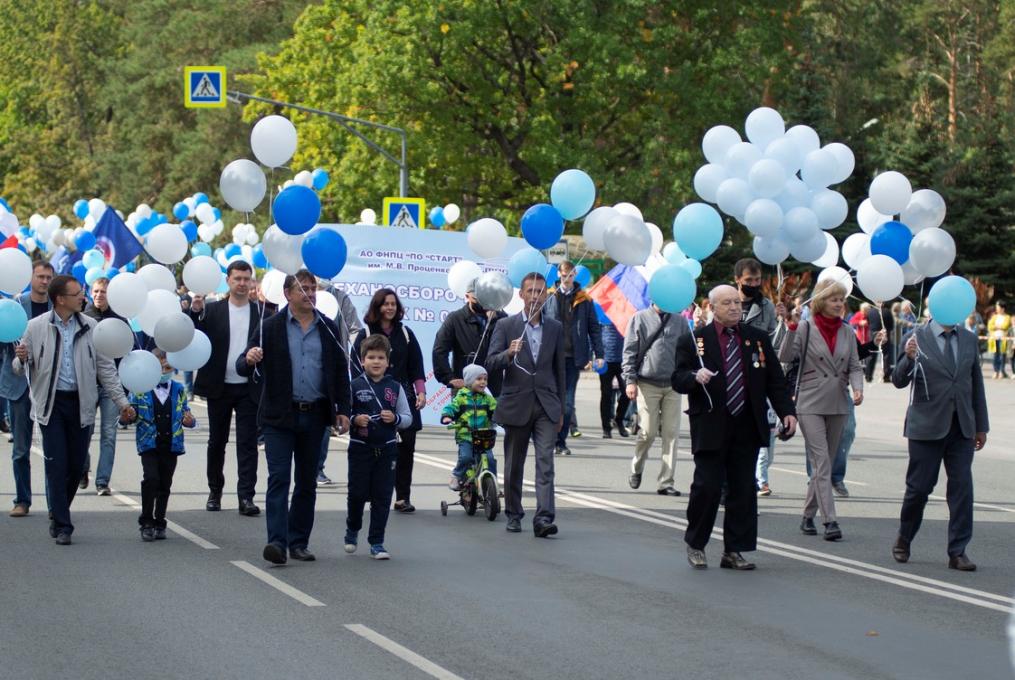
<point x="405" y="365"/>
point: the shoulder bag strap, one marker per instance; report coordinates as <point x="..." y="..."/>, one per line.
<point x="803" y="357"/>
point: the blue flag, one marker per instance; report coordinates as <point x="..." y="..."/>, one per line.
<point x="115" y="240"/>
<point x="61" y="260"/>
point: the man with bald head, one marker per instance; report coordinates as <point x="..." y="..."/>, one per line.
<point x="728" y="370"/>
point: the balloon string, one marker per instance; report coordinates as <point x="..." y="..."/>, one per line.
<point x="919" y="313"/>
<point x="701" y="360"/>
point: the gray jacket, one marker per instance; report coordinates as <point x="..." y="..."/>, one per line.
<point x="825" y="376"/>
<point x="42" y="338"/>
<point x="656" y="366"/>
<point x="939" y="392"/>
<point x="12" y="385"/>
<point x="763" y="317"/>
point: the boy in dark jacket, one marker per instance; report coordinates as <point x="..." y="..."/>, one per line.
<point x="379" y="410"/>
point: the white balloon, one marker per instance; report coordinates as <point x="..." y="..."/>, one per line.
<point x="707" y="181"/>
<point x="869" y="218"/>
<point x="770" y="250"/>
<point x="193" y="356"/>
<point x="844" y="161"/>
<point x="763" y="125"/>
<point x="515" y="306"/>
<point x="160" y="303"/>
<point x="831" y="254"/>
<point x="932" y="252"/>
<point x="733" y="197"/>
<point x="113" y="338"/>
<point x="657" y="237"/>
<point x="718" y="141"/>
<point x="96" y="207"/>
<point x="461" y="274"/>
<point x="487" y="237"/>
<point x="53" y="222"/>
<point x="174" y="331"/>
<point x="795" y="194"/>
<point x="127" y="294"/>
<point x="629" y="209"/>
<point x="839" y="275"/>
<point x="452" y="212"/>
<point x="628" y="240"/>
<point x="36" y="221"/>
<point x="763" y="217"/>
<point x="304" y="178"/>
<point x="910" y="275"/>
<point x="368" y="216"/>
<point x="284" y="251"/>
<point x="15" y="270"/>
<point x="926" y="210"/>
<point x="785" y="151"/>
<point x="805" y="139"/>
<point x="205" y="213"/>
<point x="242" y="185"/>
<point x="767" y="178"/>
<point x="800" y="226"/>
<point x="140" y="371"/>
<point x="809" y="250"/>
<point x="830" y="207"/>
<point x="202" y="275"/>
<point x="880" y="278"/>
<point x="594" y="226"/>
<point x="741" y="158"/>
<point x="272" y="286"/>
<point x="273" y="140"/>
<point x="167" y="243"/>
<point x="326" y="304"/>
<point x="855" y="249"/>
<point x="890" y="192"/>
<point x="820" y="169"/>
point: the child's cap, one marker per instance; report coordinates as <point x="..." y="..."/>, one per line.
<point x="471" y="373"/>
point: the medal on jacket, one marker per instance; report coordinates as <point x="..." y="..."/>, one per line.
<point x="760" y="356"/>
<point x="701" y="347"/>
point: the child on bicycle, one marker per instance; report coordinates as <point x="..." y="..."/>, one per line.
<point x="470" y="410"/>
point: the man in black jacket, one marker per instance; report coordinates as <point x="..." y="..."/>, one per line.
<point x="728" y="369"/>
<point x="305" y="383"/>
<point x="466" y="335"/>
<point x="228" y="324"/>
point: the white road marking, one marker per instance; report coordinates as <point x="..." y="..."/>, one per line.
<point x="407" y="655"/>
<point x="277" y="584"/>
<point x="804" y="474"/>
<point x="855" y="567"/>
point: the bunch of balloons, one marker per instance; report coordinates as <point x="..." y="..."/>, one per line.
<point x="245" y="234"/>
<point x="777" y="185"/>
<point x="449" y="214"/>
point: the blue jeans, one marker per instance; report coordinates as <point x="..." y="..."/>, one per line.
<point x="292" y="455"/>
<point x="108" y="415"/>
<point x="570" y="385"/>
<point x="999" y="362"/>
<point x="21" y="428"/>
<point x="466" y="458"/>
<point x="325" y="440"/>
<point x="765" y="456"/>
<point x="845" y="444"/>
<point x="371" y="478"/>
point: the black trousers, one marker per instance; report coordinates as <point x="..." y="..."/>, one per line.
<point x="403" y="468"/>
<point x="733" y="464"/>
<point x="606" y="411"/>
<point x="158" y="468"/>
<point x="220" y="415"/>
<point x="371" y="479"/>
<point x="65" y="445"/>
<point x="925" y="458"/>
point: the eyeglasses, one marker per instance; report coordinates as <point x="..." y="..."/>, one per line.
<point x="80" y="291"/>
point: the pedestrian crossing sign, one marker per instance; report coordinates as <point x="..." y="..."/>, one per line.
<point x="204" y="87"/>
<point x="405" y="212"/>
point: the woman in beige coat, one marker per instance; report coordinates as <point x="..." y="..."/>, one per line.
<point x="829" y="362"/>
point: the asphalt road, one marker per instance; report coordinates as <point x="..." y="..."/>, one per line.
<point x="611" y="596"/>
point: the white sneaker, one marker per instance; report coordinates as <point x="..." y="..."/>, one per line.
<point x="455" y="484"/>
<point x="350" y="548"/>
<point x="379" y="553"/>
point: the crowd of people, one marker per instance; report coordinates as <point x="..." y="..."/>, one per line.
<point x="751" y="371"/>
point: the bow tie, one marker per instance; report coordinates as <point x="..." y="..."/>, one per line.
<point x="164" y="385"/>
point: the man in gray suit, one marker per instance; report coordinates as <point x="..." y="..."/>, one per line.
<point x="529" y="349"/>
<point x="946" y="421"/>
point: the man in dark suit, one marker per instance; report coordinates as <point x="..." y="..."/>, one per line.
<point x="228" y="324"/>
<point x="305" y="383"/>
<point x="946" y="422"/>
<point x="529" y="350"/>
<point x="728" y="370"/>
<point x="465" y="334"/>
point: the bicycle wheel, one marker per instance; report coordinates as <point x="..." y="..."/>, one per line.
<point x="444" y="508"/>
<point x="470" y="499"/>
<point x="491" y="503"/>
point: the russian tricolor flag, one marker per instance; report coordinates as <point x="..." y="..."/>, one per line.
<point x="623" y="291"/>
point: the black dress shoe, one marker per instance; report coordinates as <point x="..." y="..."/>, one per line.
<point x="301" y="554"/>
<point x="960" y="562"/>
<point x="404" y="507"/>
<point x="832" y="531"/>
<point x="248" y="509"/>
<point x="83" y="484"/>
<point x="621" y="430"/>
<point x="64" y="539"/>
<point x="734" y="560"/>
<point x="160" y="533"/>
<point x="514" y="526"/>
<point x="147" y="534"/>
<point x="52" y="529"/>
<point x="807" y="526"/>
<point x="544" y="530"/>
<point x="274" y="554"/>
<point x="696" y="558"/>
<point x="214" y="503"/>
<point x="607" y="434"/>
<point x="634" y="481"/>
<point x="667" y="491"/>
<point x="900" y="551"/>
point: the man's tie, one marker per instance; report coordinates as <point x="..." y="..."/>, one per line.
<point x="734" y="374"/>
<point x="949" y="337"/>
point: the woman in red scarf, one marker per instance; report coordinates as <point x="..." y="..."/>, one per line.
<point x="828" y="363"/>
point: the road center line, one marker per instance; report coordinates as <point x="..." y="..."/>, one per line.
<point x="407" y="655"/>
<point x="277" y="584"/>
<point x="804" y="474"/>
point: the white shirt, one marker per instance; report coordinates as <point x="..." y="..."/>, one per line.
<point x="239" y="331"/>
<point x="162" y="392"/>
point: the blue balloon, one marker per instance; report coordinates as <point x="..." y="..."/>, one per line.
<point x="437" y="218"/>
<point x="542" y="226"/>
<point x="698" y="230"/>
<point x="25" y="231"/>
<point x="582" y="276"/>
<point x="324" y="253"/>
<point x="160" y="218"/>
<point x="232" y="250"/>
<point x="200" y="197"/>
<point x="600" y="314"/>
<point x="524" y="262"/>
<point x="93" y="258"/>
<point x="85" y="241"/>
<point x="6" y="205"/>
<point x="81" y="208"/>
<point x="672" y="288"/>
<point x="600" y="367"/>
<point x="296" y="209"/>
<point x="201" y="248"/>
<point x="181" y="211"/>
<point x="78" y="271"/>
<point x="551" y="275"/>
<point x="130" y="267"/>
<point x="217" y="213"/>
<point x="13" y="321"/>
<point x="951" y="300"/>
<point x="111" y="272"/>
<point x="189" y="230"/>
<point x="144" y="226"/>
<point x="320" y="178"/>
<point x="892" y="239"/>
<point x="572" y="193"/>
<point x="260" y="260"/>
<point x="693" y="267"/>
